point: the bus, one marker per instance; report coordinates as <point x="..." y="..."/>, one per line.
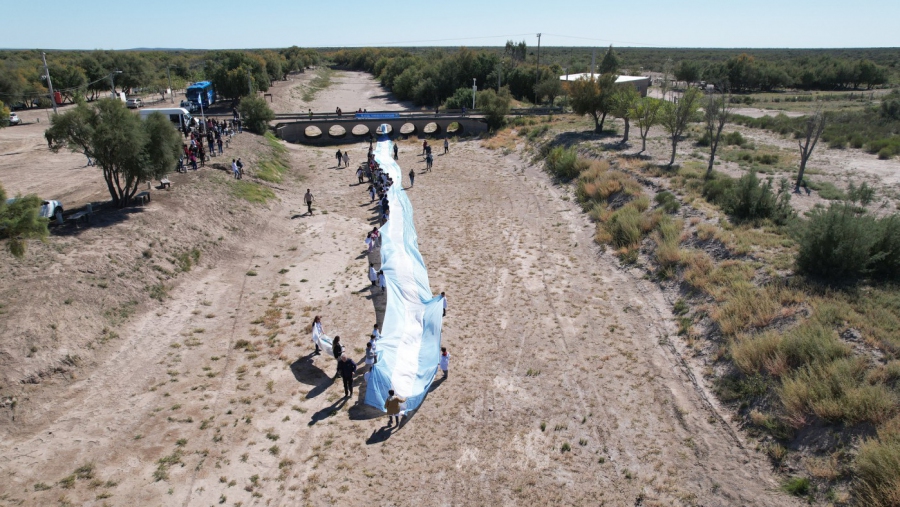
<point x="201" y="93"/>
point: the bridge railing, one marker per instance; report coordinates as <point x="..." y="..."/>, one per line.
<point x="395" y="115"/>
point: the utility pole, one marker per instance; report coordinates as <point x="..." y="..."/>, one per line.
<point x="537" y="69"/>
<point x="171" y="91"/>
<point x="112" y="81"/>
<point x="49" y="82"/>
<point x="474" y="91"/>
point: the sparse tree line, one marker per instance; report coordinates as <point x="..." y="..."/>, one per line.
<point x="94" y="74"/>
<point x="745" y="73"/>
<point x="431" y="78"/>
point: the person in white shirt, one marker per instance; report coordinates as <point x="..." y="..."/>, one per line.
<point x="381" y="281"/>
<point x="445" y="361"/>
<point x="373" y="276"/>
<point x="376" y="332"/>
<point x="444" y="297"/>
<point x="316" y="332"/>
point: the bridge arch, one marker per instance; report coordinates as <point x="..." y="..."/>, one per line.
<point x="312" y="132"/>
<point x="408" y="129"/>
<point x="360" y="130"/>
<point x="454" y="129"/>
<point x="337" y="131"/>
<point x="431" y="128"/>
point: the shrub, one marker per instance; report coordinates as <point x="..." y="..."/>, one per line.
<point x="667" y="202"/>
<point x="256" y="114"/>
<point x="797" y="486"/>
<point x="494" y="105"/>
<point x="752" y="200"/>
<point x="836" y="243"/>
<point x="885" y="252"/>
<point x="775" y="352"/>
<point x="735" y="139"/>
<point x="461" y="98"/>
<point x="885" y="153"/>
<point x="716" y="189"/>
<point x="624" y="227"/>
<point x="561" y="162"/>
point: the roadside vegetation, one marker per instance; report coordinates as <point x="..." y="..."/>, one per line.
<point x="797" y="315"/>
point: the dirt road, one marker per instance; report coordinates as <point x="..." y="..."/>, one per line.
<point x="564" y="387"/>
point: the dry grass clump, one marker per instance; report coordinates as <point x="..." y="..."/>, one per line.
<point x="748" y="307"/>
<point x="667" y="237"/>
<point x="877" y="467"/>
<point x="776" y="352"/>
<point x="597" y="184"/>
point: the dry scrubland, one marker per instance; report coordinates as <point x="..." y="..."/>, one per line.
<point x="160" y="357"/>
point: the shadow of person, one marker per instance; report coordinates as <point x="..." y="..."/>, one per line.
<point x="436" y="383"/>
<point x="328" y="411"/>
<point x="306" y="371"/>
<point x="380" y="435"/>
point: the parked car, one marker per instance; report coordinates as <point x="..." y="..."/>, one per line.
<point x="49" y="209"/>
<point x="14" y="119"/>
<point x="134" y="103"/>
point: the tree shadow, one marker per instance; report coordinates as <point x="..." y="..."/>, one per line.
<point x="104" y="215"/>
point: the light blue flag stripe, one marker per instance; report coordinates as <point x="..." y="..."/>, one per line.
<point x="409" y="349"/>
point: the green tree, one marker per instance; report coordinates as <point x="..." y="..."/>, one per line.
<point x="716" y="112"/>
<point x="550" y="88"/>
<point x="21" y="220"/>
<point x="461" y="98"/>
<point x="256" y="113"/>
<point x="646" y="113"/>
<point x="4" y="115"/>
<point x="593" y="97"/>
<point x="688" y="71"/>
<point x="623" y="102"/>
<point x="610" y="63"/>
<point x="128" y="150"/>
<point x="229" y="71"/>
<point x="494" y="105"/>
<point x="675" y="117"/>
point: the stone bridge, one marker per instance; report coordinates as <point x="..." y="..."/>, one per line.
<point x="331" y="129"/>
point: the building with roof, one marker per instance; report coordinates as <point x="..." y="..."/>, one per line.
<point x="640" y="83"/>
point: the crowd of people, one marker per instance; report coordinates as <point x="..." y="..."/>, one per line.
<point x="205" y="140"/>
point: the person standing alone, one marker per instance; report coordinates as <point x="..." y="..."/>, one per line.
<point x="308" y="199"/>
<point x="446" y="146"/>
<point x="444" y="303"/>
<point x="346" y="368"/>
<point x="412" y="177"/>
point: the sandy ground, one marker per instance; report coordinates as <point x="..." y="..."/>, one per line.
<point x="211" y="397"/>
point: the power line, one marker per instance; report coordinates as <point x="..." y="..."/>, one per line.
<point x="610" y="41"/>
<point x="376" y="44"/>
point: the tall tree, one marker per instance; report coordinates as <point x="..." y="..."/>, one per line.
<point x="21" y="220"/>
<point x="687" y="71"/>
<point x="610" y="63"/>
<point x="716" y="111"/>
<point x="809" y="137"/>
<point x="549" y="87"/>
<point x="676" y="116"/>
<point x="494" y="105"/>
<point x="593" y="97"/>
<point x="646" y="113"/>
<point x="128" y="150"/>
<point x="623" y="102"/>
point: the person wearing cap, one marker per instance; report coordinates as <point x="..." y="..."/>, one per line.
<point x="346" y="368"/>
<point x="392" y="406"/>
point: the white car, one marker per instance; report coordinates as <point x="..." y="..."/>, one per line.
<point x="49" y="209"/>
<point x="134" y="103"/>
<point x="14" y="119"/>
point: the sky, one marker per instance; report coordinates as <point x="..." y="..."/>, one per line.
<point x="221" y="24"/>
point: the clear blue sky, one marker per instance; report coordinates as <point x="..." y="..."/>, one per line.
<point x="112" y="24"/>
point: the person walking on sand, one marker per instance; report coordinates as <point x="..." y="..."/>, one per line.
<point x="444" y="302"/>
<point x="308" y="199"/>
<point x="346" y="369"/>
<point x="340" y="157"/>
<point x="316" y="332"/>
<point x="392" y="406"/>
<point x="234" y="168"/>
<point x="429" y="162"/>
<point x="347" y="160"/>
<point x="446" y="146"/>
<point x="373" y="276"/>
<point x="424" y="147"/>
<point x="359" y="172"/>
<point x="396" y="152"/>
<point x="337" y="349"/>
<point x="240" y="169"/>
<point x="372" y="193"/>
<point x="310" y="115"/>
<point x="381" y="281"/>
<point x="444" y="361"/>
<point x="412" y="177"/>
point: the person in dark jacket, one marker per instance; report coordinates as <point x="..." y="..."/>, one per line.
<point x="337" y="349"/>
<point x="346" y="368"/>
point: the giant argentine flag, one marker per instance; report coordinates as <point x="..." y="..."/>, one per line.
<point x="410" y="346"/>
